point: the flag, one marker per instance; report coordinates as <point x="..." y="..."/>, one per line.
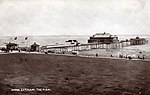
<point x="15" y="38"/>
<point x="26" y="38"/>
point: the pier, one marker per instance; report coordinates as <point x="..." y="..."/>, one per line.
<point x="97" y="41"/>
<point x="88" y="46"/>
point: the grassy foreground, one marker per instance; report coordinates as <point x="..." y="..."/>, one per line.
<point x="70" y="75"/>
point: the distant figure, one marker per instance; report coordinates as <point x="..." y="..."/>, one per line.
<point x="129" y="57"/>
<point x="19" y="49"/>
<point x="140" y="56"/>
<point x="143" y="57"/>
<point x="120" y="56"/>
<point x="96" y="55"/>
<point x="111" y="55"/>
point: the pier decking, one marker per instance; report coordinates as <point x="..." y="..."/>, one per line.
<point x="83" y="47"/>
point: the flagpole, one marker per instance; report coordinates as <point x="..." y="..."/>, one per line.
<point x="26" y="38"/>
<point x="16" y="39"/>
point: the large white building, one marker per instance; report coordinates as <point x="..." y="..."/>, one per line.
<point x="105" y="38"/>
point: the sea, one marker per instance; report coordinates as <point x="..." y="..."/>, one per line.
<point x="61" y="39"/>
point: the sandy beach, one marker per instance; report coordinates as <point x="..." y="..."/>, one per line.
<point x="23" y="74"/>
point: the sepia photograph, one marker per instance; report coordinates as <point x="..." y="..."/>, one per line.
<point x="74" y="47"/>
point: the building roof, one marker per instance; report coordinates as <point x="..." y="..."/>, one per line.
<point x="11" y="44"/>
<point x="103" y="35"/>
<point x="137" y="38"/>
<point x="35" y="44"/>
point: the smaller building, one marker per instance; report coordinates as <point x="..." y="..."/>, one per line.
<point x="138" y="41"/>
<point x="12" y="46"/>
<point x="73" y="42"/>
<point x="35" y="47"/>
<point x="124" y="43"/>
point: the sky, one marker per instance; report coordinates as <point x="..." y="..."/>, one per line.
<point x="74" y="17"/>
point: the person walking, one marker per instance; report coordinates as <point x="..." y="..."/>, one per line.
<point x="96" y="54"/>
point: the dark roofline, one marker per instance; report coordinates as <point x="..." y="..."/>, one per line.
<point x="138" y="39"/>
<point x="35" y="45"/>
<point x="11" y="44"/>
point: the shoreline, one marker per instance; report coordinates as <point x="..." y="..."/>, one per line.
<point x="84" y="56"/>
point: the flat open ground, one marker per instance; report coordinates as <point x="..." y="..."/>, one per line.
<point x="71" y="75"/>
